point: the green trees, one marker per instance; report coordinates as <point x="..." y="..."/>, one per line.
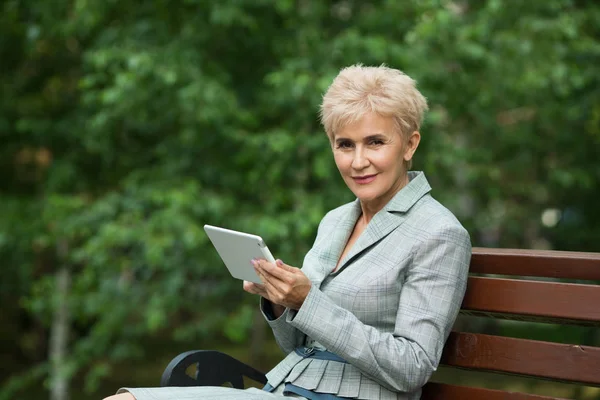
<point x="125" y="126"/>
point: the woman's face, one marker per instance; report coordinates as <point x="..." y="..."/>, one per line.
<point x="370" y="155"/>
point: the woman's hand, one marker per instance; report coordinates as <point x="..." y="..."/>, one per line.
<point x="283" y="285"/>
<point x="256" y="288"/>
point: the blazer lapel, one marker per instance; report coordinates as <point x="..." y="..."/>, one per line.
<point x="386" y="220"/>
<point x="336" y="240"/>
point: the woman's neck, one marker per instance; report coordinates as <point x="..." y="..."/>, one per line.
<point x="369" y="209"/>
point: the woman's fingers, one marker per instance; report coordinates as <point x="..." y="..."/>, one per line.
<point x="277" y="282"/>
<point x="262" y="274"/>
<point x="254" y="288"/>
<point x="285" y="267"/>
<point x="249" y="287"/>
<point x="275" y="270"/>
<point x="272" y="284"/>
<point x="284" y="285"/>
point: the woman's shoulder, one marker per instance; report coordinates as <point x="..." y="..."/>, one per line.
<point x="431" y="215"/>
<point x="341" y="211"/>
<point x="344" y="211"/>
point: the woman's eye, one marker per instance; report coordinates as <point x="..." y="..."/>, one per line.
<point x="344" y="145"/>
<point x="376" y="142"/>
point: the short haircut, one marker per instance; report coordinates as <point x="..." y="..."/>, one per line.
<point x="358" y="90"/>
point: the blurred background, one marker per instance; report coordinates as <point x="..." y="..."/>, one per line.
<point x="126" y="125"/>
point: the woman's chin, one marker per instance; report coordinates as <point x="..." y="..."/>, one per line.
<point x="369" y="192"/>
<point x="372" y="196"/>
<point x="365" y="196"/>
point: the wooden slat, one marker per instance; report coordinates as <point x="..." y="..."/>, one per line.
<point x="540" y="263"/>
<point x="442" y="391"/>
<point x="564" y="362"/>
<point x="567" y="301"/>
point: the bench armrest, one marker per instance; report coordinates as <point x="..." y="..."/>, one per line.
<point x="213" y="369"/>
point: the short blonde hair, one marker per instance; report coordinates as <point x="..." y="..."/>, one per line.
<point x="358" y="90"/>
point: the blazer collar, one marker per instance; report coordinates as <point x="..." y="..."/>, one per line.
<point x="383" y="223"/>
<point x="407" y="196"/>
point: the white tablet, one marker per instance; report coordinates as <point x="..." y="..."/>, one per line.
<point x="237" y="249"/>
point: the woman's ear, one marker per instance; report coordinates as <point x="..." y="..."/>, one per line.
<point x="411" y="145"/>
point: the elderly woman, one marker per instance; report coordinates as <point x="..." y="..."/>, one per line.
<point x="368" y="314"/>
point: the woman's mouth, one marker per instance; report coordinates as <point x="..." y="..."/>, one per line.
<point x="363" y="180"/>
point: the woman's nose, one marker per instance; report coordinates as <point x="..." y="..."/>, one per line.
<point x="360" y="161"/>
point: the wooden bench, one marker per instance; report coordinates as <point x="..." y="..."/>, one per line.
<point x="524" y="285"/>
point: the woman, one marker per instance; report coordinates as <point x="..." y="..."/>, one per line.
<point x="368" y="314"/>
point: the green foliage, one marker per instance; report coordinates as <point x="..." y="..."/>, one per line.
<point x="127" y="125"/>
<point x="238" y="324"/>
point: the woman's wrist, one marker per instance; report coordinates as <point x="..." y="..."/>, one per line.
<point x="277" y="309"/>
<point x="271" y="310"/>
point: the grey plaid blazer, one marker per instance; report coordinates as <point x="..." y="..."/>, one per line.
<point x="390" y="306"/>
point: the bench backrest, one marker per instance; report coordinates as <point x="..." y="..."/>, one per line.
<point x="508" y="284"/>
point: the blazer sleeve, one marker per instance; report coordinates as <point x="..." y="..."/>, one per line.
<point x="430" y="300"/>
<point x="286" y="335"/>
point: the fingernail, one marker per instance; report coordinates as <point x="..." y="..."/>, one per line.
<point x="279" y="262"/>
